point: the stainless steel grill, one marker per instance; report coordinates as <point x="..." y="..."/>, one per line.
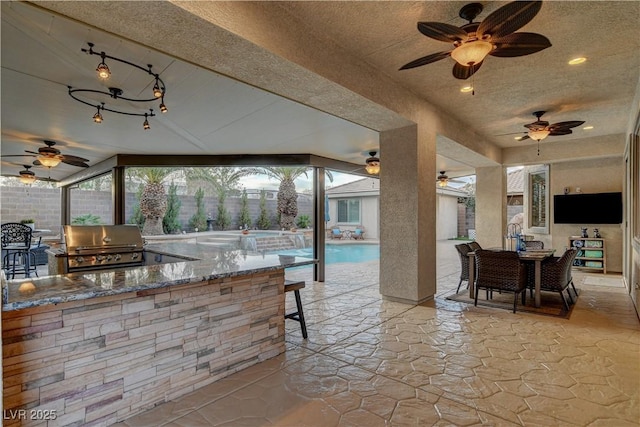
<point x="92" y="247"/>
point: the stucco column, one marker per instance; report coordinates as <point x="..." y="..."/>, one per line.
<point x="407" y="215"/>
<point x="491" y="206"/>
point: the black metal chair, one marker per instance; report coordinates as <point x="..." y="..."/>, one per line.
<point x="501" y="271"/>
<point x="463" y="251"/>
<point x="17" y="255"/>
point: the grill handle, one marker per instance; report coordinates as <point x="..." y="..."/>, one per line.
<point x="104" y="247"/>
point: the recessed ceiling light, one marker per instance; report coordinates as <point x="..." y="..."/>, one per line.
<point x="587" y="128"/>
<point x="466" y="89"/>
<point x="576" y="61"/>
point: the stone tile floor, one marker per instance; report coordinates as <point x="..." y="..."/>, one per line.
<point x="369" y="362"/>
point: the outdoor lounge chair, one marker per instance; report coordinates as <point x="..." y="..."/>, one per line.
<point x="336" y="233"/>
<point x="358" y="233"/>
<point x="501" y="271"/>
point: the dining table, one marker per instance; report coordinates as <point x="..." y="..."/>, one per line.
<point x="535" y="256"/>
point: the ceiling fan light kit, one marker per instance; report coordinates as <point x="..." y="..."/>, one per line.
<point x="372" y="164"/>
<point x="104" y="73"/>
<point x="26" y="176"/>
<point x="442" y="180"/>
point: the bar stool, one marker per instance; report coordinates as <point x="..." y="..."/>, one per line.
<point x="298" y="316"/>
<point x="17" y="256"/>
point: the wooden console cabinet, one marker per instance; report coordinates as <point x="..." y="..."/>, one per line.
<point x="592" y="253"/>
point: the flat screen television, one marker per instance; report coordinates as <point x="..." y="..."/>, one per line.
<point x="586" y="209"/>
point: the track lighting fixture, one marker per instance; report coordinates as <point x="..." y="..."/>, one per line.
<point x="103" y="70"/>
<point x="97" y="117"/>
<point x="114" y="94"/>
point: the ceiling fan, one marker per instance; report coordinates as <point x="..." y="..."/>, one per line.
<point x="494" y="36"/>
<point x="49" y="156"/>
<point x="540" y="129"/>
<point x="27" y="176"/>
<point x="443" y="180"/>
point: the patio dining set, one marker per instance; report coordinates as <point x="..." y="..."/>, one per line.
<point x="534" y="268"/>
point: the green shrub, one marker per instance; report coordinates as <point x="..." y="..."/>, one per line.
<point x="303" y="221"/>
<point x="199" y="219"/>
<point x="245" y="217"/>
<point x="170" y="221"/>
<point x="87" y="219"/>
<point x="263" y="222"/>
<point x="224" y="219"/>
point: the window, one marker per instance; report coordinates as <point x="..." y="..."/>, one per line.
<point x="349" y="211"/>
<point x="537" y="196"/>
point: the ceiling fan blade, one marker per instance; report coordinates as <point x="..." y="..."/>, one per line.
<point x="426" y="60"/>
<point x="69" y="157"/>
<point x="565" y="125"/>
<point x="31" y="152"/>
<point x="77" y="163"/>
<point x="509" y="18"/>
<point x="523" y="137"/>
<point x="36" y="163"/>
<point x="561" y="131"/>
<point x="520" y="44"/>
<point x="540" y="124"/>
<point x="463" y="72"/>
<point x="18" y="155"/>
<point x="443" y="32"/>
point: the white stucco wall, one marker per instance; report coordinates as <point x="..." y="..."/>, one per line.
<point x="447" y="220"/>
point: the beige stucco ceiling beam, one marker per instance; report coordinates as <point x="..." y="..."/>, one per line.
<point x="555" y="150"/>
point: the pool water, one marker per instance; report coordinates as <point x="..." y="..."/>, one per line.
<point x="340" y="253"/>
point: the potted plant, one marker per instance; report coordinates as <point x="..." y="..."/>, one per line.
<point x="30" y="222"/>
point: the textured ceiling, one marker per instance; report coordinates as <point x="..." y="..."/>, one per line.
<point x="212" y="114"/>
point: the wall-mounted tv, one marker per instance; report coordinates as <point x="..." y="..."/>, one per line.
<point x="586" y="209"/>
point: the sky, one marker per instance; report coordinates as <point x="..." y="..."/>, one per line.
<point x="260" y="182"/>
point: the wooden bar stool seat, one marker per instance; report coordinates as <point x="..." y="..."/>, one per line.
<point x="298" y="316"/>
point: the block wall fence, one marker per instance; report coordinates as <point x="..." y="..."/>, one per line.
<point x="43" y="205"/>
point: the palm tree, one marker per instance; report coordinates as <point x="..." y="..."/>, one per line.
<point x="287" y="195"/>
<point x="153" y="200"/>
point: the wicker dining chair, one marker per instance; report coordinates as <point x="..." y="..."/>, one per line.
<point x="474" y="245"/>
<point x="463" y="251"/>
<point x="533" y="244"/>
<point x="500" y="271"/>
<point x="556" y="275"/>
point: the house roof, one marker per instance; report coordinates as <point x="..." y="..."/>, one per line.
<point x="515" y="182"/>
<point x="364" y="185"/>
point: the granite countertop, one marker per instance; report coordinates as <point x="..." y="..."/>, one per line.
<point x="210" y="263"/>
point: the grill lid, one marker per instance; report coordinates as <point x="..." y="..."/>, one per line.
<point x="102" y="238"/>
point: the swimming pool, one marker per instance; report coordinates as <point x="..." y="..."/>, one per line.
<point x="340" y="253"/>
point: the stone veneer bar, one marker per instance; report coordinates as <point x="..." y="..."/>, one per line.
<point x="109" y="350"/>
<point x="102" y="360"/>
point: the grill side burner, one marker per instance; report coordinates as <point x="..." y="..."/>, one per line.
<point x="92" y="247"/>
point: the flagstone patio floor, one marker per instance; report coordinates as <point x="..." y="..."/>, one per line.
<point x="370" y="362"/>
